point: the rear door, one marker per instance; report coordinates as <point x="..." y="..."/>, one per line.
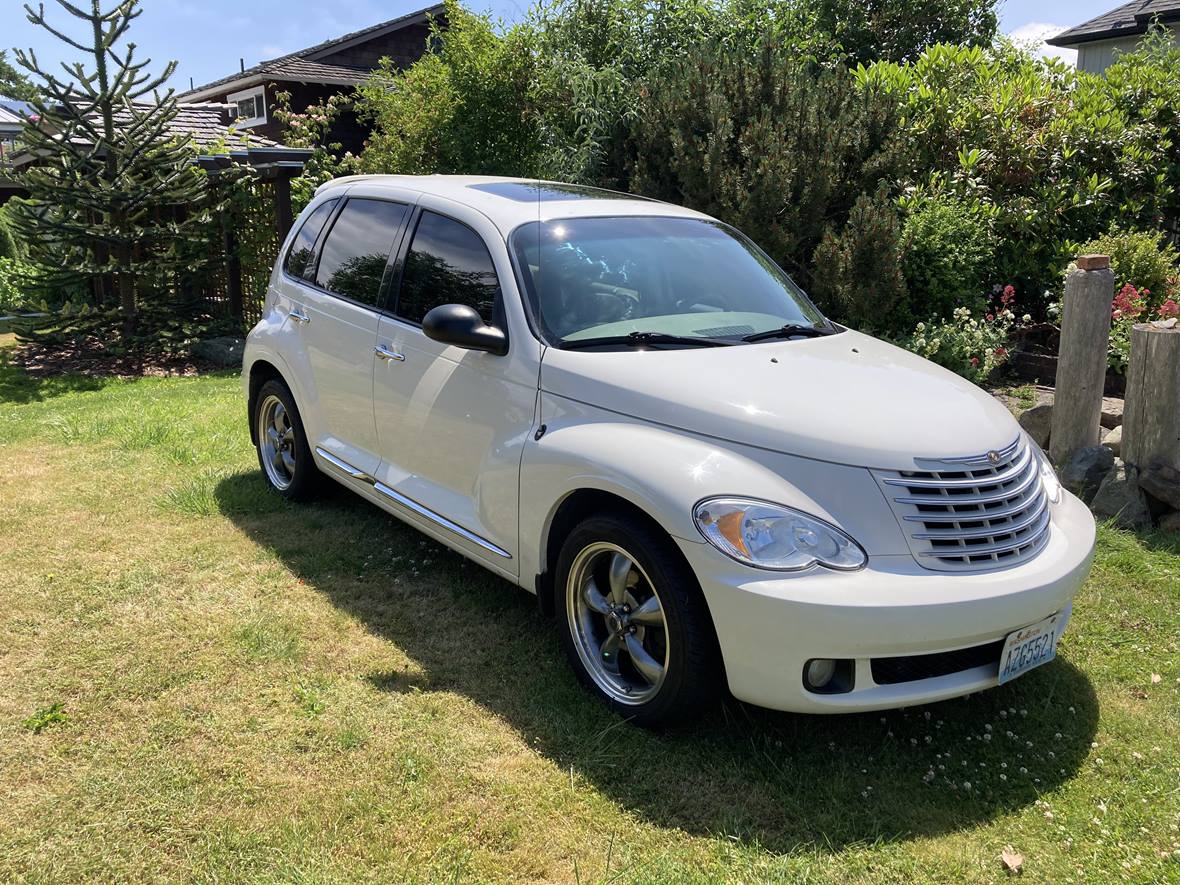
<point x="339" y="295"/>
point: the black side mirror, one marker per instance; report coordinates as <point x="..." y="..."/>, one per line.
<point x="462" y="326"/>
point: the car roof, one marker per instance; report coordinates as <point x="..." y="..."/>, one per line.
<point x="510" y="202"/>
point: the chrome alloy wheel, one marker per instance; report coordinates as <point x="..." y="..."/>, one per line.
<point x="617" y="623"/>
<point x="276" y="442"/>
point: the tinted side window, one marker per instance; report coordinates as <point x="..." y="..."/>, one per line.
<point x="303" y="245"/>
<point x="353" y="259"/>
<point x="448" y="263"/>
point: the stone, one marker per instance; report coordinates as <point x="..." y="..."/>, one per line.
<point x="1112" y="412"/>
<point x="225" y="351"/>
<point x="1037" y="421"/>
<point x="1083" y="473"/>
<point x="1171" y="523"/>
<point x="1113" y="440"/>
<point x="1119" y="498"/>
<point x="1162" y="482"/>
<point x="1093" y="262"/>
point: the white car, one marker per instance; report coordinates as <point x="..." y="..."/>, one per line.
<point x="627" y="408"/>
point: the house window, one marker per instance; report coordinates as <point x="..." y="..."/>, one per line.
<point x="251" y="106"/>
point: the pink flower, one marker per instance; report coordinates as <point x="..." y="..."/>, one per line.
<point x="1000" y="351"/>
<point x="1169" y="309"/>
<point x="991" y="318"/>
<point x="974" y="361"/>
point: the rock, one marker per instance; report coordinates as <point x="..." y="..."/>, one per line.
<point x="1171" y="523"/>
<point x="224" y="351"/>
<point x="1112" y="412"/>
<point x="1083" y="473"/>
<point x="1037" y="421"/>
<point x="1113" y="440"/>
<point x="1162" y="482"/>
<point x="1120" y="498"/>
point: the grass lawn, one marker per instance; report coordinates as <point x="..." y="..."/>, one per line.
<point x="200" y="681"/>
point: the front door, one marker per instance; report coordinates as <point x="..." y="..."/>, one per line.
<point x="339" y="295"/>
<point x="452" y="423"/>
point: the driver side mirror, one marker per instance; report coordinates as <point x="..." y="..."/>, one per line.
<point x="462" y="326"/>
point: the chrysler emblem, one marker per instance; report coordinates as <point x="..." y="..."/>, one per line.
<point x="993" y="457"/>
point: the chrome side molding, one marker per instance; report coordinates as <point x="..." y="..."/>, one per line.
<point x="410" y="504"/>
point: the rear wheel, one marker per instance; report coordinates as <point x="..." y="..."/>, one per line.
<point x="635" y="624"/>
<point x="283" y="453"/>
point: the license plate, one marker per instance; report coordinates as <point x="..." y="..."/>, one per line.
<point x="1029" y="647"/>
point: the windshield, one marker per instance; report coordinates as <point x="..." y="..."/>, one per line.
<point x="589" y="278"/>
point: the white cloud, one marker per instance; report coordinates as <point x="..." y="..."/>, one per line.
<point x="1033" y="35"/>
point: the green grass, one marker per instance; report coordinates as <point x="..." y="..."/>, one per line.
<point x="252" y="690"/>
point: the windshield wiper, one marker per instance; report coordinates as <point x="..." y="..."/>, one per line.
<point x="638" y="339"/>
<point x="791" y="330"/>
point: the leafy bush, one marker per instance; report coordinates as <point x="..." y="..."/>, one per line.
<point x="781" y="147"/>
<point x="1131" y="306"/>
<point x="947" y="252"/>
<point x="10" y="246"/>
<point x="1049" y="152"/>
<point x="1140" y="259"/>
<point x="968" y="345"/>
<point x="857" y="275"/>
<point x="462" y="108"/>
<point x="14" y="286"/>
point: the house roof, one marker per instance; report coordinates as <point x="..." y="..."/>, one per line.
<point x="1123" y="21"/>
<point x="307" y="65"/>
<point x="9" y="121"/>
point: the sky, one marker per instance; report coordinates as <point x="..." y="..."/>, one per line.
<point x="209" y="37"/>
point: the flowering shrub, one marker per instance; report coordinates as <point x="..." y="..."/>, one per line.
<point x="1131" y="306"/>
<point x="970" y="346"/>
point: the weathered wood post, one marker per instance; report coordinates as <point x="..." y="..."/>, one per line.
<point x="1081" y="362"/>
<point x="1151" y="414"/>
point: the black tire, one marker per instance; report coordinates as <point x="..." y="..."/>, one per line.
<point x="304" y="477"/>
<point x="693" y="677"/>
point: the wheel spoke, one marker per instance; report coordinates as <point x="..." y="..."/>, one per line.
<point x="272" y="437"/>
<point x="288" y="462"/>
<point x="620" y="571"/>
<point x="649" y="668"/>
<point x="649" y="614"/>
<point x="610" y="654"/>
<point x="279" y="419"/>
<point x="594" y="598"/>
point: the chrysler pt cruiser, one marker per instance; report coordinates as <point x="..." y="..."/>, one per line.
<point x="629" y="409"/>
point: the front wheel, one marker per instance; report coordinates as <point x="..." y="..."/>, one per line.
<point x="283" y="453"/>
<point x="635" y="624"/>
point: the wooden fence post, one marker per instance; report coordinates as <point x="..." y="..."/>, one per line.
<point x="1151" y="415"/>
<point x="1081" y="362"/>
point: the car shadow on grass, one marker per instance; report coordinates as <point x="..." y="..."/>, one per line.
<point x="775" y="780"/>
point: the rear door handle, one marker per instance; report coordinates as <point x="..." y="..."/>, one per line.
<point x="299" y="316"/>
<point x="386" y="354"/>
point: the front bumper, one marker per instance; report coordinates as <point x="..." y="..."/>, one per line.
<point x="770" y="624"/>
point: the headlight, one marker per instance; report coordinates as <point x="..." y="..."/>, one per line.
<point x="775" y="537"/>
<point x="1049" y="480"/>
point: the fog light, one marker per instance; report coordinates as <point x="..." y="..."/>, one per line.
<point x="828" y="675"/>
<point x="820" y="672"/>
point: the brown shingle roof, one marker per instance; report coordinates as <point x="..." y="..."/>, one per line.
<point x="303" y="65"/>
<point x="210" y="124"/>
<point x="1123" y="21"/>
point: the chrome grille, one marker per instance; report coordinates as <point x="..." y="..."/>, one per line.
<point x="971" y="513"/>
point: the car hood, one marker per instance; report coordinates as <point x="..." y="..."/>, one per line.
<point x="846" y="398"/>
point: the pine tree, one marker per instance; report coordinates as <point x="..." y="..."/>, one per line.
<point x="105" y="191"/>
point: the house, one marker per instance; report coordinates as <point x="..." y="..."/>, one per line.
<point x="311" y="75"/>
<point x="1100" y="39"/>
<point x="10" y="127"/>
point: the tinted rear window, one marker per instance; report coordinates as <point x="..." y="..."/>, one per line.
<point x="303" y="245"/>
<point x="353" y="259"/>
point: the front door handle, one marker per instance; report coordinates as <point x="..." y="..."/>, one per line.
<point x="386" y="354"/>
<point x="299" y="316"/>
